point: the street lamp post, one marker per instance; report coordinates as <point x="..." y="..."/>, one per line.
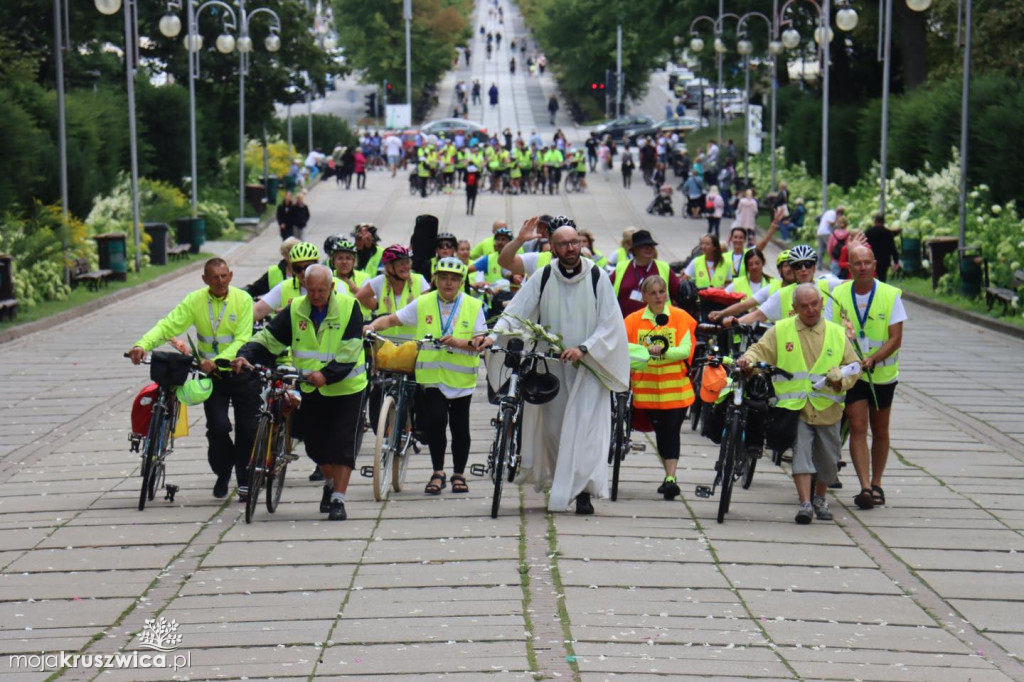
<point x="964" y="120"/>
<point x="131" y="42"/>
<point x="60" y="32"/>
<point x="745" y="47"/>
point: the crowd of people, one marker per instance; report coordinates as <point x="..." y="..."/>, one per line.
<point x="831" y="332"/>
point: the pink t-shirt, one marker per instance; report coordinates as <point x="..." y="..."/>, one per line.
<point x="360" y="162"/>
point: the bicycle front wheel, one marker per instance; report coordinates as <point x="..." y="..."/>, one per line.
<point x="618" y="443"/>
<point x="154" y="444"/>
<point x="501" y="459"/>
<point x="261" y="453"/>
<point x="698" y="405"/>
<point x="279" y="466"/>
<point x="387" y="428"/>
<point x="728" y="454"/>
<point x="400" y="458"/>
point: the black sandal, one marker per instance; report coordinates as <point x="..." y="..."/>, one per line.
<point x="434" y="488"/>
<point x="459" y="484"/>
<point x="865" y="499"/>
<point x="878" y="495"/>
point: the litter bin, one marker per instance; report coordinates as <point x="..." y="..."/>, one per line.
<point x="158" y="232"/>
<point x="192" y="231"/>
<point x="971" y="264"/>
<point x="256" y="196"/>
<point x="113" y="252"/>
<point x="910" y="254"/>
<point x="271" y="183"/>
<point x="938" y="249"/>
<point x="6" y="277"/>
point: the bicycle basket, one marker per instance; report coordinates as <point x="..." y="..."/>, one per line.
<point x="392" y="358"/>
<point x="169" y="369"/>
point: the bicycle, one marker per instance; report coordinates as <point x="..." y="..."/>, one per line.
<point x="622" y="433"/>
<point x="572" y="181"/>
<point x="707" y="346"/>
<point x="737" y="456"/>
<point x="395" y="434"/>
<point x="504" y="457"/>
<point x="271" y="449"/>
<point x="168" y="370"/>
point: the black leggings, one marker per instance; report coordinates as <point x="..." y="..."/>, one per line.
<point x="667" y="424"/>
<point x="438" y="412"/>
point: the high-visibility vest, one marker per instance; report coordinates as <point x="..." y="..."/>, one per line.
<point x="373" y="264"/>
<point x="360" y="278"/>
<point x="387" y="304"/>
<point x="493" y="273"/>
<point x="743" y="266"/>
<point x="876" y="330"/>
<point x="786" y="296"/>
<point x="543" y="259"/>
<point x="313" y="348"/>
<point x="701" y="277"/>
<point x="620" y="271"/>
<point x="742" y="285"/>
<point x="275" y="275"/>
<point x="291" y="290"/>
<point x="452" y="367"/>
<point x="793" y="394"/>
<point x="232" y="315"/>
<point x="663" y="384"/>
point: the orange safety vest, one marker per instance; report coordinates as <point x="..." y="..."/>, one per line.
<point x="664" y="384"/>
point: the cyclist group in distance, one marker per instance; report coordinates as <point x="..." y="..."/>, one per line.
<point x="599" y="311"/>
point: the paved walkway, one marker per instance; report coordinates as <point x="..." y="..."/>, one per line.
<point x="927" y="588"/>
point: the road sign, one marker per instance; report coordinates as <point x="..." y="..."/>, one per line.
<point x="754" y="129"/>
<point x="352" y="96"/>
<point x="399" y="116"/>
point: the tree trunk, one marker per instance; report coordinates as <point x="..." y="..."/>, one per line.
<point x="912" y="45"/>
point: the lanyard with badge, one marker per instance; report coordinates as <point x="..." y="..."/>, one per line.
<point x="862" y="320"/>
<point x="446" y="325"/>
<point x="214" y="326"/>
<point x="635" y="294"/>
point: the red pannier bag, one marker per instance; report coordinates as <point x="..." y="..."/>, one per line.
<point x="142" y="409"/>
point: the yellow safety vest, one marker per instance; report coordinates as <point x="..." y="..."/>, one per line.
<point x="373" y="264"/>
<point x="620" y="270"/>
<point x="742" y="285"/>
<point x="222" y="325"/>
<point x="313" y="348"/>
<point x="452" y="367"/>
<point x="274" y="276"/>
<point x="360" y="279"/>
<point x="291" y="290"/>
<point x="701" y="277"/>
<point x="876" y="330"/>
<point x="793" y="394"/>
<point x="387" y="304"/>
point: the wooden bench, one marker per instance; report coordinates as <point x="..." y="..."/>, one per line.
<point x="1004" y="295"/>
<point x="178" y="251"/>
<point x="8" y="308"/>
<point x="80" y="272"/>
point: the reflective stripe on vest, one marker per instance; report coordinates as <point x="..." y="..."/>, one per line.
<point x="662" y="385"/>
<point x="314" y="348"/>
<point x="452" y="367"/>
<point x="700" y="274"/>
<point x="786" y="297"/>
<point x="793" y="393"/>
<point x="210" y="343"/>
<point x="876" y="329"/>
<point x="620" y="271"/>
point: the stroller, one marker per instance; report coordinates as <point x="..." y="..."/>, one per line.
<point x="662" y="204"/>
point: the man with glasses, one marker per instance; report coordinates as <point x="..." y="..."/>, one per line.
<point x="303" y="255"/>
<point x="803" y="260"/>
<point x="565" y="441"/>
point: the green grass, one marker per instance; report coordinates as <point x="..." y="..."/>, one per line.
<point x="923" y="287"/>
<point x="81" y="294"/>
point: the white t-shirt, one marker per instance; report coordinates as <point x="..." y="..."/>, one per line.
<point x="755" y="288"/>
<point x="896" y="315"/>
<point x="530" y="262"/>
<point x="393" y="146"/>
<point x="772" y="308"/>
<point x="828" y="219"/>
<point x="408" y="316"/>
<point x="273" y="297"/>
<point x="377" y="285"/>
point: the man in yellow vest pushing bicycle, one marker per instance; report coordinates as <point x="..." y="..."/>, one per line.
<point x="824" y="366"/>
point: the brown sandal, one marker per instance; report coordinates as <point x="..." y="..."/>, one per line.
<point x="459" y="484"/>
<point x="878" y="495"/>
<point x="436" y="488"/>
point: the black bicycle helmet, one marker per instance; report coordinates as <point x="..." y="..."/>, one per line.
<point x="561" y="221"/>
<point x="331" y="244"/>
<point x="538" y="388"/>
<point x="446" y="237"/>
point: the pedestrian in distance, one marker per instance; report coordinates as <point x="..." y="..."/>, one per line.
<point x="714" y="206"/>
<point x="284" y="216"/>
<point x="492" y="94"/>
<point x="553" y="108"/>
<point x="882" y="241"/>
<point x="512" y="66"/>
<point x="359" y="165"/>
<point x="300" y="215"/>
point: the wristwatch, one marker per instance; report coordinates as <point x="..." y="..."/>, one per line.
<point x="583" y="349"/>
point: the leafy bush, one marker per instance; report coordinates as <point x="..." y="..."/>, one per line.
<point x="218" y="220"/>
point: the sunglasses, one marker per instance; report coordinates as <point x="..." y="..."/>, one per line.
<point x="299" y="269"/>
<point x="803" y="265"/>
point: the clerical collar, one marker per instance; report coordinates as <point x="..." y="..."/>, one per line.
<point x="570" y="273"/>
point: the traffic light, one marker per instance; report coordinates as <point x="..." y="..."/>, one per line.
<point x="597" y="88"/>
<point x="611" y="80"/>
<point x="371" y="105"/>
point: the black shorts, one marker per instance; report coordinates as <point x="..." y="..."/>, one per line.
<point x="862" y="391"/>
<point x="327" y="425"/>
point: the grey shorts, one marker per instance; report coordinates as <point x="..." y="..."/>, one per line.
<point x="817" y="450"/>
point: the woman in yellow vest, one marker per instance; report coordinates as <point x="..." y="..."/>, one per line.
<point x="324" y="330"/>
<point x="663" y="390"/>
<point x="393" y="290"/>
<point x="709" y="269"/>
<point x="446" y="376"/>
<point x="755" y="278"/>
<point x="343" y="262"/>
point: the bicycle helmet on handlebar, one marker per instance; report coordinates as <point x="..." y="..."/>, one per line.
<point x="195" y="391"/>
<point x="304" y="252"/>
<point x="801" y="253"/>
<point x="393" y="253"/>
<point x="452" y="265"/>
<point x="538" y="388"/>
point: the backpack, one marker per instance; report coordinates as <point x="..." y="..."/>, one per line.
<point x="545" y="275"/>
<point x="709" y="204"/>
<point x="470" y="179"/>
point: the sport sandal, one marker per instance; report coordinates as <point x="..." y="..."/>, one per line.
<point x="436" y="488"/>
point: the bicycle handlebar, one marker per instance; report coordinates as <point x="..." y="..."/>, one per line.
<point x="427" y="340"/>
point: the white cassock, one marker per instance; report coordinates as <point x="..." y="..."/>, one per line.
<point x="565" y="442"/>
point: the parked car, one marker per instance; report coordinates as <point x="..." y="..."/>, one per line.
<point x="676" y="124"/>
<point x="622" y="127"/>
<point x="449" y="127"/>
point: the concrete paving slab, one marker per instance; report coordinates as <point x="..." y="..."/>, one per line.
<point x="424" y="602"/>
<point x="734" y="662"/>
<point x="802" y="578"/>
<point x="856" y="608"/>
<point x="285" y="553"/>
<point x="457" y="656"/>
<point x="629" y="574"/>
<point x="226" y="580"/>
<point x="90" y="559"/>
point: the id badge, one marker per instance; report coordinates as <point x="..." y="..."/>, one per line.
<point x="863" y="342"/>
<point x="635" y="295"/>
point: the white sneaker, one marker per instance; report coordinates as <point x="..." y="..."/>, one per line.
<point x="821" y="510"/>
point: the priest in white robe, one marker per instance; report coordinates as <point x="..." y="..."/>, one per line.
<point x="565" y="442"/>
